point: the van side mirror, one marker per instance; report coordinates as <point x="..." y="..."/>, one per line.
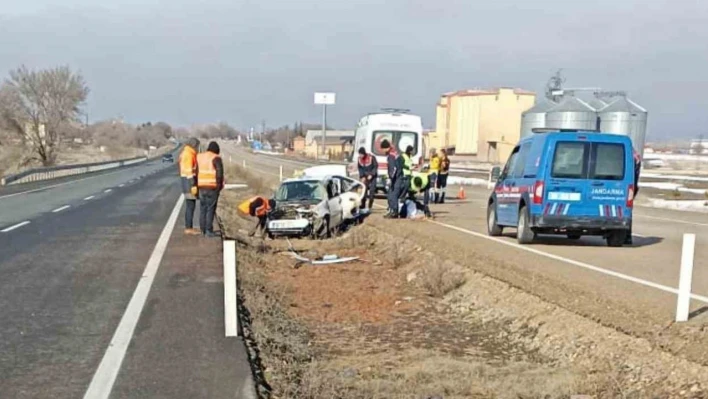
<point x="495" y="174"/>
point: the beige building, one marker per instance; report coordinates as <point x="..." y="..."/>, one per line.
<point x="485" y="123"/>
<point x="338" y="143"/>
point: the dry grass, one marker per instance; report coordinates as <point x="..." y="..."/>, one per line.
<point x="398" y="253"/>
<point x="258" y="185"/>
<point x="441" y="277"/>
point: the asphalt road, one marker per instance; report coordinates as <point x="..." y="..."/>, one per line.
<point x="653" y="259"/>
<point x="71" y="256"/>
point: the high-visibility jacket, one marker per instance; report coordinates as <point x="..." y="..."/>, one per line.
<point x="407" y="164"/>
<point x="435" y="164"/>
<point x="188" y="162"/>
<point x="207" y="172"/>
<point x="248" y="207"/>
<point x="424" y="177"/>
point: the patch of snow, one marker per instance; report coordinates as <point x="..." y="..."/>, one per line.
<point x="672" y="177"/>
<point x="467" y="181"/>
<point x="671" y="187"/>
<point x="679" y="205"/>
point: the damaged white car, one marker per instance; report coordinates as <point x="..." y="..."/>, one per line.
<point x="315" y="204"/>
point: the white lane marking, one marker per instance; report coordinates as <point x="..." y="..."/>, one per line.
<point x="17" y="226"/>
<point x="89" y="198"/>
<point x="673" y="220"/>
<point x="61" y="209"/>
<point x="105" y="376"/>
<point x="571" y="261"/>
<point x="230" y="308"/>
<point x="60" y="184"/>
<point x="108" y="190"/>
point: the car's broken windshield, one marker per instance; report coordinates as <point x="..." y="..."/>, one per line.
<point x="300" y="191"/>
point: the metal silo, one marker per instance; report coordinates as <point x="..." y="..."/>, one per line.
<point x="597" y="104"/>
<point x="535" y="116"/>
<point x="572" y="113"/>
<point x="623" y="116"/>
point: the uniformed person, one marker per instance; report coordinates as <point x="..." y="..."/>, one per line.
<point x="433" y="175"/>
<point x="420" y="182"/>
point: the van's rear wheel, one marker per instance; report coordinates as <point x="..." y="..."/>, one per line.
<point x="616" y="238"/>
<point x="493" y="229"/>
<point x="524" y="234"/>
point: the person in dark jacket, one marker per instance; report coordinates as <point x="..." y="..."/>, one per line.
<point x="392" y="174"/>
<point x="210" y="181"/>
<point x="402" y="179"/>
<point x="637" y="169"/>
<point x="368" y="171"/>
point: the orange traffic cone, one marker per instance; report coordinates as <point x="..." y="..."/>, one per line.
<point x="461" y="194"/>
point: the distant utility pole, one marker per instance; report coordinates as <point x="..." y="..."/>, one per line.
<point x="700" y="152"/>
<point x="263" y="127"/>
<point x="324" y="99"/>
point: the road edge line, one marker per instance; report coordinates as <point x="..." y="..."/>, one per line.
<point x="105" y="376"/>
<point x="573" y="262"/>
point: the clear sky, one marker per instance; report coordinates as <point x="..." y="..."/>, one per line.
<point x="246" y="60"/>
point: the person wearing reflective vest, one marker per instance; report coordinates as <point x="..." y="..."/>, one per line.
<point x="434" y="170"/>
<point x="442" y="176"/>
<point x="210" y="181"/>
<point x="258" y="207"/>
<point x="188" y="180"/>
<point x="420" y="182"/>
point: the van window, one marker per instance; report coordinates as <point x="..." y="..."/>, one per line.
<point x="511" y="164"/>
<point x="569" y="160"/>
<point x="608" y="161"/>
<point x="520" y="163"/>
<point x="399" y="141"/>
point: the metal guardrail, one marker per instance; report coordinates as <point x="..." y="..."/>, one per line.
<point x="54" y="172"/>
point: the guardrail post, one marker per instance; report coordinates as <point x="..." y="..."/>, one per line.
<point x="230" y="289"/>
<point x="684" y="292"/>
<point x="244" y="164"/>
<point x="281" y="172"/>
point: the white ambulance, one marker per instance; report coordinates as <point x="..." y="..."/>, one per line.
<point x="400" y="128"/>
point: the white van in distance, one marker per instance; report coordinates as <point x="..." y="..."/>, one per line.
<point x="400" y="128"/>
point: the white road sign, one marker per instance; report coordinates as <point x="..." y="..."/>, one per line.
<point x="325" y="98"/>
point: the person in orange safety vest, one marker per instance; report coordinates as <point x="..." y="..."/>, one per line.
<point x="188" y="179"/>
<point x="258" y="207"/>
<point x="210" y="182"/>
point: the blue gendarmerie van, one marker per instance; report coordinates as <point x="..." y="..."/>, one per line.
<point x="566" y="182"/>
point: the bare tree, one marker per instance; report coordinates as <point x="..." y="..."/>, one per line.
<point x="39" y="107"/>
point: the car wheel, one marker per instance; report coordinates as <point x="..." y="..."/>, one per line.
<point x="323" y="231"/>
<point x="524" y="234"/>
<point x="573" y="236"/>
<point x="493" y="229"/>
<point x="616" y="238"/>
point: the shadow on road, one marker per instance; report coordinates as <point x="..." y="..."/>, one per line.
<point x="587" y="241"/>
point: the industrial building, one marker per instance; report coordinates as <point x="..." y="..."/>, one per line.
<point x="608" y="112"/>
<point x="485" y="123"/>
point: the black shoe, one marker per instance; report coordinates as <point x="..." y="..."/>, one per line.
<point x="436" y="198"/>
<point x="211" y="234"/>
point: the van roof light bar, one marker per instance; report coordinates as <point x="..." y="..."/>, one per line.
<point x="552" y="130"/>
